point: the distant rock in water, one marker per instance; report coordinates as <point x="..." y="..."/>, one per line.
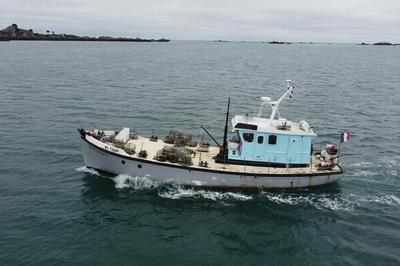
<point x="363" y="43"/>
<point x="14" y="33"/>
<point x="383" y="43"/>
<point x="276" y="42"/>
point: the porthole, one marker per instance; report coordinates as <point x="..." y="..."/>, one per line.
<point x="139" y="166"/>
<point x="122" y="161"/>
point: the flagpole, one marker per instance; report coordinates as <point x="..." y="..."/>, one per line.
<point x="340" y="142"/>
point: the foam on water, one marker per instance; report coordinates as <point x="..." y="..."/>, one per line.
<point x="135" y="182"/>
<point x="391" y="200"/>
<point x="382" y="171"/>
<point x="361" y="164"/>
<point x="366" y="173"/>
<point x="87" y="170"/>
<point x="386" y="162"/>
<point x="321" y="201"/>
<point x="173" y="191"/>
<point x="325" y="201"/>
<point x="391" y="162"/>
<point x="178" y="192"/>
<point x="331" y="202"/>
<point x="362" y="179"/>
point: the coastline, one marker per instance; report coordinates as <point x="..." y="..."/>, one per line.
<point x="13" y="33"/>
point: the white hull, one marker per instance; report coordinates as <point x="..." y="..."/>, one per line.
<point x="101" y="159"/>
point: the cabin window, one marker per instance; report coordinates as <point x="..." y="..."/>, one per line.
<point x="272" y="139"/>
<point x="260" y="139"/>
<point x="248" y="137"/>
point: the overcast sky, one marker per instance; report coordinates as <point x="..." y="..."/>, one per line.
<point x="251" y="20"/>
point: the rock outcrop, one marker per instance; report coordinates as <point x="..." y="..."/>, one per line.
<point x="384" y="43"/>
<point x="14" y="33"/>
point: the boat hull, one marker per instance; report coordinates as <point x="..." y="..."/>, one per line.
<point x="116" y="164"/>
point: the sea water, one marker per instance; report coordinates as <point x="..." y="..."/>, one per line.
<point x="54" y="210"/>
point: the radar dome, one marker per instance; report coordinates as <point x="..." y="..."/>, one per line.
<point x="266" y="99"/>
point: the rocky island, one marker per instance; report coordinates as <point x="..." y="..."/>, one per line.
<point x="385" y="43"/>
<point x="13" y="33"/>
<point x="278" y="42"/>
<point x="380" y="43"/>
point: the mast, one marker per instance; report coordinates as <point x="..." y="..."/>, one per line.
<point x="265" y="101"/>
<point x="275" y="105"/>
<point x="226" y="128"/>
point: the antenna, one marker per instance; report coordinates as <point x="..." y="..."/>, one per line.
<point x="290" y="86"/>
<point x="275" y="104"/>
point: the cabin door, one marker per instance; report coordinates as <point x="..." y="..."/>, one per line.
<point x="259" y="147"/>
<point x="293" y="149"/>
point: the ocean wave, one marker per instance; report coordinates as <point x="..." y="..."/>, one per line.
<point x="391" y="200"/>
<point x="365" y="173"/>
<point x="172" y="191"/>
<point x="386" y="162"/>
<point x="331" y="202"/>
<point x="390" y="162"/>
<point x="382" y="170"/>
<point x="321" y="201"/>
<point x="361" y="164"/>
<point x="135" y="182"/>
<point x="178" y="192"/>
<point x="324" y="201"/>
<point x="362" y="179"/>
<point x="87" y="170"/>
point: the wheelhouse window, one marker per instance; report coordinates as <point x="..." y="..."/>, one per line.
<point x="260" y="139"/>
<point x="248" y="137"/>
<point x="235" y="138"/>
<point x="272" y="139"/>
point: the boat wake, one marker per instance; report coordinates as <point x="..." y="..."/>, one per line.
<point x="331" y="202"/>
<point x="323" y="201"/>
<point x="391" y="200"/>
<point x="136" y="182"/>
<point x="87" y="170"/>
<point x="173" y="191"/>
<point x="177" y="192"/>
<point x="382" y="171"/>
<point x="388" y="162"/>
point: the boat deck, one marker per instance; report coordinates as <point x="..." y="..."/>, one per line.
<point x="152" y="147"/>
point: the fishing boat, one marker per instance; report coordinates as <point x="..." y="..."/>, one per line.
<point x="262" y="152"/>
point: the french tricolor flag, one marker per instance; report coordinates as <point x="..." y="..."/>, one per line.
<point x="344" y="136"/>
